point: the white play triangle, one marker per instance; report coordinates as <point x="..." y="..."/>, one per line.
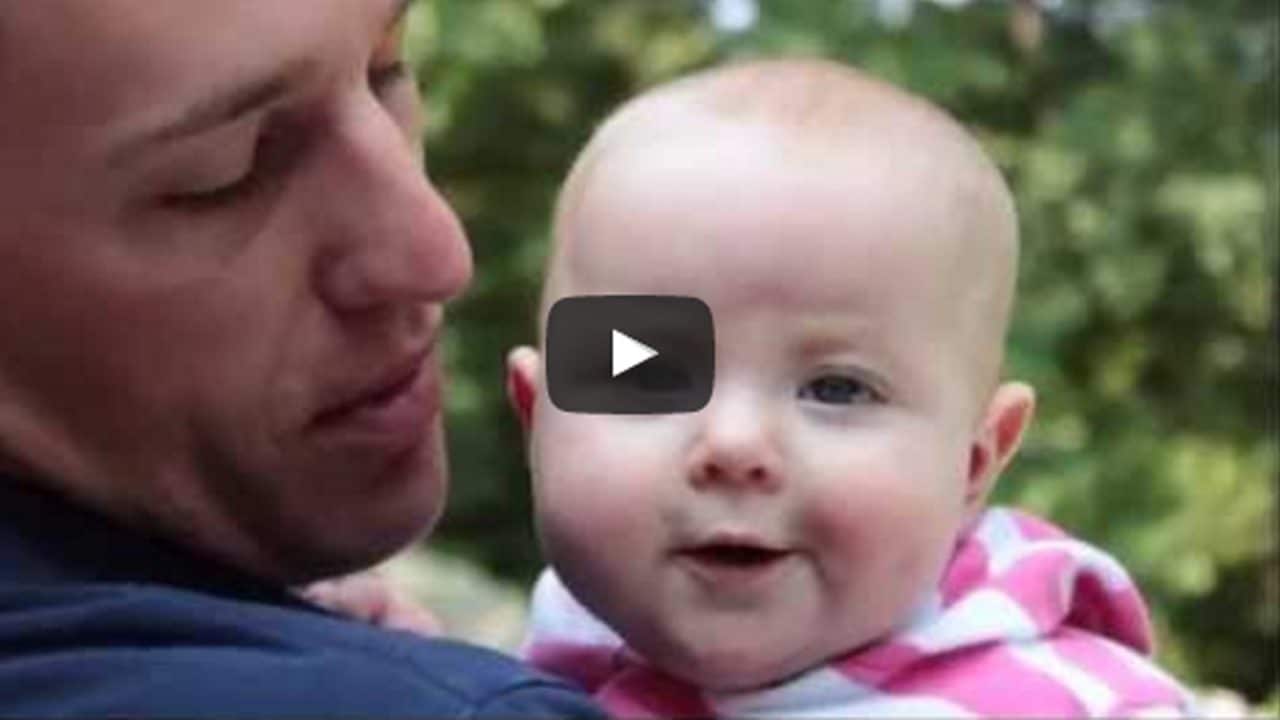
<point x="629" y="352"/>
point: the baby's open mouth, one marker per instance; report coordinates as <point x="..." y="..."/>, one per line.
<point x="735" y="565"/>
<point x="730" y="555"/>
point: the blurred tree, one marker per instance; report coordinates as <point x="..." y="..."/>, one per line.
<point x="1142" y="141"/>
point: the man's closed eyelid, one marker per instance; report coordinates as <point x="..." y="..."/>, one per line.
<point x="384" y="77"/>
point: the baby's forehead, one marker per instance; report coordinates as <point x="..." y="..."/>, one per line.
<point x="853" y="137"/>
<point x="751" y="196"/>
<point x="678" y="185"/>
<point x="820" y="102"/>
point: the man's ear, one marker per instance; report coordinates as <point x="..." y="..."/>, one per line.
<point x="524" y="366"/>
<point x="1007" y="417"/>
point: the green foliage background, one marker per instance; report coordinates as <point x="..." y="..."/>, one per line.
<point x="1145" y="161"/>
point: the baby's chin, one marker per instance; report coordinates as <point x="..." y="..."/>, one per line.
<point x="735" y="666"/>
<point x="737" y="651"/>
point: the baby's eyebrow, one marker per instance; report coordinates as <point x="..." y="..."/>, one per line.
<point x="826" y="336"/>
<point x="853" y="339"/>
<point x="811" y="346"/>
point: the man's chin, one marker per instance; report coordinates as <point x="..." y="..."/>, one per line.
<point x="362" y="523"/>
<point x="357" y="546"/>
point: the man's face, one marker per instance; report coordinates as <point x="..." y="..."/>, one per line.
<point x="221" y="273"/>
<point x="810" y="507"/>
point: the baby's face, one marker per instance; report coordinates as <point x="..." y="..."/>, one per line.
<point x="811" y="506"/>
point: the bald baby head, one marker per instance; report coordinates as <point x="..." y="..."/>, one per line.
<point x="857" y="252"/>
<point x="863" y="137"/>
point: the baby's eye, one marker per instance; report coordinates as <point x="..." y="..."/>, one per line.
<point x="837" y="390"/>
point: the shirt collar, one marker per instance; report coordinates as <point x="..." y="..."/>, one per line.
<point x="46" y="539"/>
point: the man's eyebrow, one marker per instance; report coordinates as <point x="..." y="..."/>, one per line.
<point x="224" y="107"/>
<point x="217" y="109"/>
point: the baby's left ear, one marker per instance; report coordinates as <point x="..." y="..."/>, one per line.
<point x="1007" y="417"/>
<point x="523" y="368"/>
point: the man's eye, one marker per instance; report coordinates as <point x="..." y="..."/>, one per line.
<point x="387" y="68"/>
<point x="837" y="390"/>
<point x="385" y="77"/>
<point x="275" y="151"/>
<point x="214" y="197"/>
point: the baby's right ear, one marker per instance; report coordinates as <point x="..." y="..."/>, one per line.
<point x="523" y="370"/>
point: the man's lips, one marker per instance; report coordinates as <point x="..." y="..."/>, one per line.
<point x="374" y="393"/>
<point x="392" y="409"/>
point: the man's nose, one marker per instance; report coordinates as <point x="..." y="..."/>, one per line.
<point x="392" y="238"/>
<point x="736" y="449"/>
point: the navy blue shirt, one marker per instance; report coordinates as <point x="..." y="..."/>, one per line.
<point x="97" y="621"/>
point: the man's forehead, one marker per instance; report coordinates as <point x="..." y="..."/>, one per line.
<point x="89" y="62"/>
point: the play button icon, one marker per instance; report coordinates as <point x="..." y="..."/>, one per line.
<point x="630" y="354"/>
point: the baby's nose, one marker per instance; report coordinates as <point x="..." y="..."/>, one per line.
<point x="744" y="461"/>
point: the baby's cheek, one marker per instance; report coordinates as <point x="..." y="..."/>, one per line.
<point x="884" y="544"/>
<point x="598" y="526"/>
<point x="589" y="485"/>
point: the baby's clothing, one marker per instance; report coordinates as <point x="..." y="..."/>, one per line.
<point x="1026" y="621"/>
